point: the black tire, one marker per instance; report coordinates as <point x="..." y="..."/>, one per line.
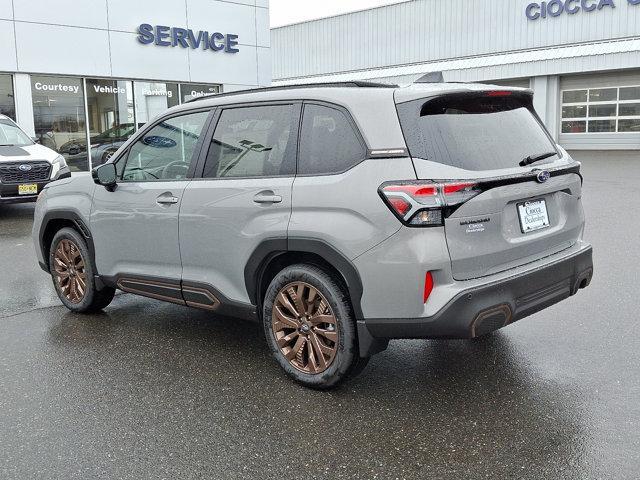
<point x="92" y="300"/>
<point x="346" y="361"/>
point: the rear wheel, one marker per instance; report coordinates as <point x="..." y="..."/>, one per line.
<point x="73" y="274"/>
<point x="310" y="328"/>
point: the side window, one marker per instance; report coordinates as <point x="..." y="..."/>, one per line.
<point x="165" y="152"/>
<point x="253" y="142"/>
<point x="328" y="142"/>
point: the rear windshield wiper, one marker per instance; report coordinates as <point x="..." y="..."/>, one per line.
<point x="536" y="158"/>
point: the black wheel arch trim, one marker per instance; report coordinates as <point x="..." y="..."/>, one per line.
<point x="81" y="227"/>
<point x="270" y="249"/>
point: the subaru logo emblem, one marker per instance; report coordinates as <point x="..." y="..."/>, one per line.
<point x="543" y="176"/>
<point x="25" y="168"/>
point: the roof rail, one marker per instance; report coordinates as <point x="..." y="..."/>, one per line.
<point x="353" y="84"/>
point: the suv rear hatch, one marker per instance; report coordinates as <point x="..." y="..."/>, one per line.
<point x="507" y="194"/>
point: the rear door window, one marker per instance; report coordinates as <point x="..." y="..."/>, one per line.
<point x="254" y="142"/>
<point x="328" y="142"/>
<point x="486" y="131"/>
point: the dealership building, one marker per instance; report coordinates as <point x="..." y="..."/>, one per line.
<point x="580" y="57"/>
<point x="82" y="76"/>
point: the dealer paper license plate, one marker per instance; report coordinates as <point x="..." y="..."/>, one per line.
<point x="29" y="189"/>
<point x="533" y="215"/>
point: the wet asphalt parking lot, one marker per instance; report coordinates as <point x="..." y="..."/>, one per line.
<point x="152" y="390"/>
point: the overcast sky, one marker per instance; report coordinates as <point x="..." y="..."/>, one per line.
<point x="284" y="12"/>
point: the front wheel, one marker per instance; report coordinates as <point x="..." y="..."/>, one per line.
<point x="310" y="328"/>
<point x="73" y="274"/>
<point x="106" y="156"/>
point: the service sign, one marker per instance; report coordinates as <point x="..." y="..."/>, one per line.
<point x="164" y="36"/>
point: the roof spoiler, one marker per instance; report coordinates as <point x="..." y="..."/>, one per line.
<point x="431" y="77"/>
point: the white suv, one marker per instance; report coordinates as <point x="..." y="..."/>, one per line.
<point x="25" y="166"/>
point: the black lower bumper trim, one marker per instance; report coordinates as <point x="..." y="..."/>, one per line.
<point x="478" y="311"/>
<point x="20" y="199"/>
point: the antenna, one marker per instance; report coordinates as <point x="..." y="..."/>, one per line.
<point x="432" y="77"/>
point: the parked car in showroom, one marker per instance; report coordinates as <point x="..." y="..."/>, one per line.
<point x="25" y="166"/>
<point x="340" y="216"/>
<point x="103" y="146"/>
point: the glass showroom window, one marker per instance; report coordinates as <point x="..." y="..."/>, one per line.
<point x="189" y="91"/>
<point x="153" y="98"/>
<point x="601" y="110"/>
<point x="111" y="117"/>
<point x="7" y="104"/>
<point x="59" y="117"/>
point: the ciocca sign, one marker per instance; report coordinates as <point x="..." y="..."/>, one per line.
<point x="555" y="8"/>
<point x="164" y="36"/>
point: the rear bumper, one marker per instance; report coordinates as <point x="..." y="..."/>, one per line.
<point x="483" y="309"/>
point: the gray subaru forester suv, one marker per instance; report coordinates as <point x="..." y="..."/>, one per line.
<point x="340" y="216"/>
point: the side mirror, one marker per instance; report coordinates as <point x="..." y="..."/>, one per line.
<point x="36" y="139"/>
<point x="105" y="175"/>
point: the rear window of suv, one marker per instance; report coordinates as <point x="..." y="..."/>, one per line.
<point x="475" y="131"/>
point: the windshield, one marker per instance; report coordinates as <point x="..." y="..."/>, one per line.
<point x="11" y="135"/>
<point x="475" y="131"/>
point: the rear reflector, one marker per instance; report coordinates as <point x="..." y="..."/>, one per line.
<point x="428" y="286"/>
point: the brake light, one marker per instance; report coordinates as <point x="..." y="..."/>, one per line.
<point x="419" y="203"/>
<point x="456" y="187"/>
<point x="415" y="190"/>
<point x="499" y="93"/>
<point x="459" y="193"/>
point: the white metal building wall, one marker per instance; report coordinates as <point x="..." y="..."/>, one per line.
<point x="428" y="30"/>
<point x="473" y="41"/>
<point x="97" y="38"/>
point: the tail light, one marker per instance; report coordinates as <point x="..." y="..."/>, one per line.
<point x="426" y="204"/>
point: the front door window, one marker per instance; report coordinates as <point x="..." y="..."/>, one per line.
<point x="165" y="152"/>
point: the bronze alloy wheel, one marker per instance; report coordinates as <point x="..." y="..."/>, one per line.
<point x="69" y="268"/>
<point x="305" y="328"/>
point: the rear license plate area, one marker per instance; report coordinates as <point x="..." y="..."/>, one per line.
<point x="533" y="215"/>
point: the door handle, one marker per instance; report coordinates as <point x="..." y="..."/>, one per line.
<point x="167" y="199"/>
<point x="267" y="197"/>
